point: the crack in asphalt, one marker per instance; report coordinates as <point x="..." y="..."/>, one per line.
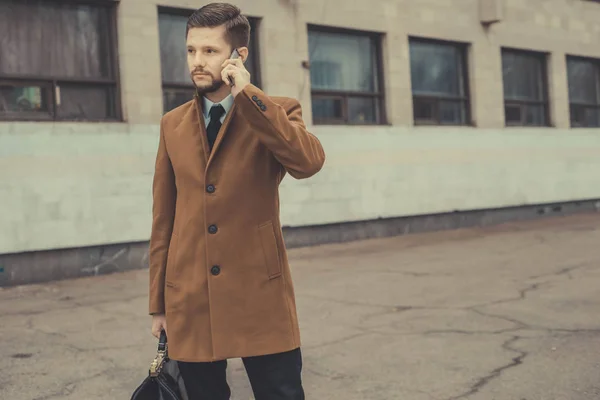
<point x="519" y="324"/>
<point x="104" y="348"/>
<point x="463" y="332"/>
<point x="86" y="304"/>
<point x="31" y="326"/>
<point x="334" y="376"/>
<point x="565" y="271"/>
<point x="392" y="309"/>
<point x="481" y="382"/>
<point x="401" y="272"/>
<point x="522" y="296"/>
<point x="70" y="387"/>
<point x="338" y="341"/>
<point x="569" y="331"/>
<point x="65" y="391"/>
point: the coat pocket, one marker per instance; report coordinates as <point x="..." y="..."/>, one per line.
<point x="174" y="300"/>
<point x="172" y="257"/>
<point x="270" y="250"/>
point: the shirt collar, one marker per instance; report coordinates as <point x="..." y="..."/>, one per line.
<point x="227" y="102"/>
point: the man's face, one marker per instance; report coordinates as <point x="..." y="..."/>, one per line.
<point x="207" y="49"/>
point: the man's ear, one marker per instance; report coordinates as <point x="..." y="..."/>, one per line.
<point x="243" y="53"/>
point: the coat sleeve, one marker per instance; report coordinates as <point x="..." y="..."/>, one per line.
<point x="281" y="129"/>
<point x="164" y="195"/>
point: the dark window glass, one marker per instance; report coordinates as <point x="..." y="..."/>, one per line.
<point x="51" y="50"/>
<point x="344" y="76"/>
<point x="525" y="88"/>
<point x="173" y="59"/>
<point x="584" y="91"/>
<point x="439" y="82"/>
<point x="77" y="102"/>
<point x="328" y="108"/>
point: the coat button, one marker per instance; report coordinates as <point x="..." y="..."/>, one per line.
<point x="263" y="107"/>
<point x="210" y="188"/>
<point x="215" y="270"/>
<point x="212" y="229"/>
<point x="254" y="98"/>
<point x="260" y="103"/>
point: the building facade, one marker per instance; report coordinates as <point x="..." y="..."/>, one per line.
<point x="423" y="107"/>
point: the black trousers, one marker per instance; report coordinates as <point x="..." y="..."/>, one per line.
<point x="272" y="377"/>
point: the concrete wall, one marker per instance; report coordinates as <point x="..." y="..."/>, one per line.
<point x="81" y="184"/>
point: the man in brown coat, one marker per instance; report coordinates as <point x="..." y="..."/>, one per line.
<point x="220" y="283"/>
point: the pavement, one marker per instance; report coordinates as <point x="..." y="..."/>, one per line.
<point x="510" y="312"/>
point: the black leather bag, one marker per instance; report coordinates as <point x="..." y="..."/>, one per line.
<point x="164" y="381"/>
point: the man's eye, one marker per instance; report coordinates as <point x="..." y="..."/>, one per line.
<point x="190" y="51"/>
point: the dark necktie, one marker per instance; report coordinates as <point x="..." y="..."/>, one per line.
<point x="212" y="130"/>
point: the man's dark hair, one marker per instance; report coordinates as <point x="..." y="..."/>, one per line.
<point x="215" y="14"/>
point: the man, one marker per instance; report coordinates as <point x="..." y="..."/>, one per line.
<point x="220" y="284"/>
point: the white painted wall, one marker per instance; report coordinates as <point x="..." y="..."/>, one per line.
<point x="73" y="185"/>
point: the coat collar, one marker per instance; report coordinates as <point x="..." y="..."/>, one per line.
<point x="227" y="103"/>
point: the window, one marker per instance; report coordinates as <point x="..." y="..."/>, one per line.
<point x="439" y="82"/>
<point x="584" y="91"/>
<point x="525" y="88"/>
<point x="345" y="69"/>
<point x="58" y="61"/>
<point x="177" y="85"/>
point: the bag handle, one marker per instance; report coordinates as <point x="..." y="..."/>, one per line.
<point x="162" y="341"/>
<point x="161" y="355"/>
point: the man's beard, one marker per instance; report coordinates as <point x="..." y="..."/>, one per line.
<point x="215" y="85"/>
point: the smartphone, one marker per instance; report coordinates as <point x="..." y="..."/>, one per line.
<point x="233" y="56"/>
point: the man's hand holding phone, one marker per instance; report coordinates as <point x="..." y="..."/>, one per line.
<point x="235" y="74"/>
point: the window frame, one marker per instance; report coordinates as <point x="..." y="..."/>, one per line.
<point x="463" y="47"/>
<point x="542" y="57"/>
<point x="254" y="38"/>
<point x="380" y="95"/>
<point x="53" y="83"/>
<point x="583" y="106"/>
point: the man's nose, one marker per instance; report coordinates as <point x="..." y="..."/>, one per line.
<point x="199" y="61"/>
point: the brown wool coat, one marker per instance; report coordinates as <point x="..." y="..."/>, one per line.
<point x="218" y="263"/>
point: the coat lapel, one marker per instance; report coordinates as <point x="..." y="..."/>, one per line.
<point x="221" y="134"/>
<point x="189" y="140"/>
<point x="201" y="129"/>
